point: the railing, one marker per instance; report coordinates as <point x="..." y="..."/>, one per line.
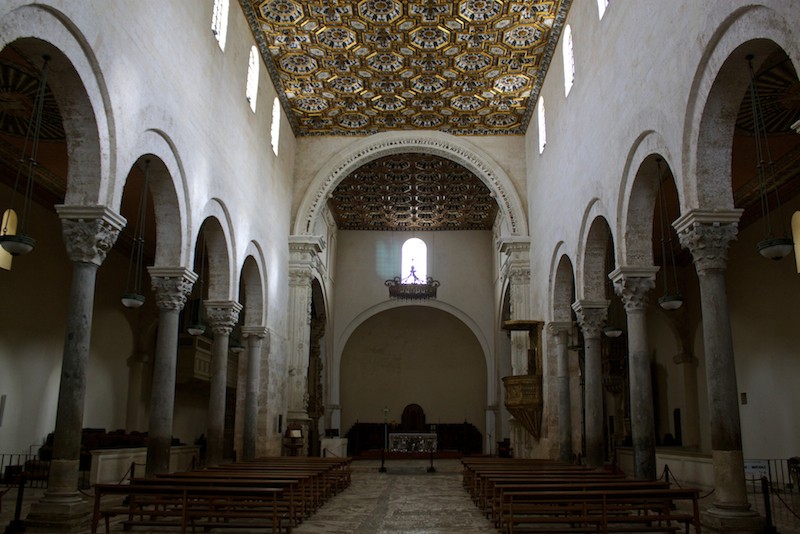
<point x="12" y="466"/>
<point x="783" y="475"/>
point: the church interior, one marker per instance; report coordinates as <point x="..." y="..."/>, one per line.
<point x="545" y="230"/>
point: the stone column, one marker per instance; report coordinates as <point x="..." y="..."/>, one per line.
<point x="303" y="259"/>
<point x="255" y="336"/>
<point x="561" y="332"/>
<point x="690" y="422"/>
<point x="591" y="318"/>
<point x="518" y="267"/>
<point x="633" y="284"/>
<point x="222" y="316"/>
<point x="172" y="286"/>
<point x="89" y="233"/>
<point x="707" y="235"/>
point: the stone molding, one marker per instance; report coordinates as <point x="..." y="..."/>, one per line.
<point x="222" y="315"/>
<point x="633" y="285"/>
<point x="707" y="235"/>
<point x="172" y="286"/>
<point x="591" y="315"/>
<point x="259" y="332"/>
<point x="429" y="143"/>
<point x="89" y="231"/>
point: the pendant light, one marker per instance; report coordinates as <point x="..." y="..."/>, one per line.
<point x="15" y="241"/>
<point x="771" y="247"/>
<point x="668" y="301"/>
<point x="133" y="298"/>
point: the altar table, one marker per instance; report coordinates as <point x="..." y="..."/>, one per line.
<point x="412" y="442"/>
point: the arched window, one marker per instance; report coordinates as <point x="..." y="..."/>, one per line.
<point x="569" y="60"/>
<point x="414" y="255"/>
<point x="219" y="21"/>
<point x="8" y="226"/>
<point x="251" y="90"/>
<point x="542" y="129"/>
<point x="275" y="129"/>
<point x="601" y="8"/>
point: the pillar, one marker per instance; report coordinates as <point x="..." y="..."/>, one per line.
<point x="707" y="235"/>
<point x="172" y="286"/>
<point x="89" y="233"/>
<point x="591" y="318"/>
<point x="633" y="284"/>
<point x="254" y="335"/>
<point x="303" y="256"/>
<point x="690" y="421"/>
<point x="222" y="316"/>
<point x="561" y="332"/>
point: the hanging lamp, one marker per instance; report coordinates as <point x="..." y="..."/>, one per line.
<point x="134" y="297"/>
<point x="668" y="301"/>
<point x="771" y="247"/>
<point x="15" y="240"/>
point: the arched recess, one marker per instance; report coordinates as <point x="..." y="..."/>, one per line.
<point x="720" y="81"/>
<point x="387" y="143"/>
<point x="251" y="289"/>
<point x="169" y="190"/>
<point x="386" y="305"/>
<point x="593" y="257"/>
<point x="563" y="292"/>
<point x="75" y="80"/>
<point x="385" y="366"/>
<point x="219" y="249"/>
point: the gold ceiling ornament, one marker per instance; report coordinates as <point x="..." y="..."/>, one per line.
<point x="470" y="67"/>
<point x="413" y="192"/>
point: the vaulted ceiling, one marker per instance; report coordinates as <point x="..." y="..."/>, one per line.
<point x="359" y="67"/>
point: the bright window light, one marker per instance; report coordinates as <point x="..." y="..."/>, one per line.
<point x="601" y="8"/>
<point x="569" y="59"/>
<point x="219" y="22"/>
<point x="542" y="129"/>
<point x="275" y="129"/>
<point x="252" y="78"/>
<point x="414" y="255"/>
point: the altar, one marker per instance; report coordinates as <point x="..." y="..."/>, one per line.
<point x="412" y="442"/>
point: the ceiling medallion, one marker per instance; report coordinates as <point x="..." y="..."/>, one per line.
<point x="392" y="55"/>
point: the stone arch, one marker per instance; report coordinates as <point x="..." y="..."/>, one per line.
<point x="638" y="198"/>
<point x="591" y="273"/>
<point x="169" y="189"/>
<point x="387" y="143"/>
<point x="720" y="81"/>
<point x="217" y="256"/>
<point x="251" y="292"/>
<point x="75" y="79"/>
<point x="563" y="290"/>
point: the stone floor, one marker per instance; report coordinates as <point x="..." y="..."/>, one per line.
<point x="409" y="500"/>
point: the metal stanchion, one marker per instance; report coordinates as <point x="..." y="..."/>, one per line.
<point x="769" y="528"/>
<point x="16" y="524"/>
<point x="382" y="469"/>
<point x="431" y="469"/>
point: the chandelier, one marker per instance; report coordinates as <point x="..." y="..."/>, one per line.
<point x="412" y="287"/>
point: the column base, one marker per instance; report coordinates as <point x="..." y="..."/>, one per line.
<point x="70" y="515"/>
<point x="732" y="520"/>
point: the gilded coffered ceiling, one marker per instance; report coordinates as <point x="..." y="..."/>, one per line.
<point x="360" y="67"/>
<point x="413" y="192"/>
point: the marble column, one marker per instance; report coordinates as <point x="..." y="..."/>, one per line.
<point x="89" y="233"/>
<point x="591" y="318"/>
<point x="222" y="316"/>
<point x="303" y="260"/>
<point x="633" y="284"/>
<point x="255" y="336"/>
<point x="172" y="286"/>
<point x="707" y="235"/>
<point x="561" y="332"/>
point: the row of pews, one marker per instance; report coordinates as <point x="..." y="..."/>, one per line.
<point x="544" y="496"/>
<point x="269" y="494"/>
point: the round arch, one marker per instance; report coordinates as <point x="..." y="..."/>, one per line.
<point x="220" y="250"/>
<point x="591" y="254"/>
<point x="436" y="143"/>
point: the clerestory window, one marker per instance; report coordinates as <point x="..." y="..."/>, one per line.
<point x="251" y="90"/>
<point x="414" y="261"/>
<point x="542" y="128"/>
<point x="275" y="128"/>
<point x="219" y="22"/>
<point x="569" y="60"/>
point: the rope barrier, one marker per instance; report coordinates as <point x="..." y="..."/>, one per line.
<point x="666" y="476"/>
<point x="786" y="505"/>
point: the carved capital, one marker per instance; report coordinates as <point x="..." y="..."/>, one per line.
<point x="300" y="277"/>
<point x="633" y="285"/>
<point x="89" y="231"/>
<point x="591" y="316"/>
<point x="259" y="332"/>
<point x="559" y="327"/>
<point x="222" y="315"/>
<point x="707" y="235"/>
<point x="172" y="286"/>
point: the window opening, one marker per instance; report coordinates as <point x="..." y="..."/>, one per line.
<point x="601" y="8"/>
<point x="252" y="78"/>
<point x="542" y="129"/>
<point x="219" y="22"/>
<point x="569" y="60"/>
<point x="414" y="261"/>
<point x="275" y="129"/>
